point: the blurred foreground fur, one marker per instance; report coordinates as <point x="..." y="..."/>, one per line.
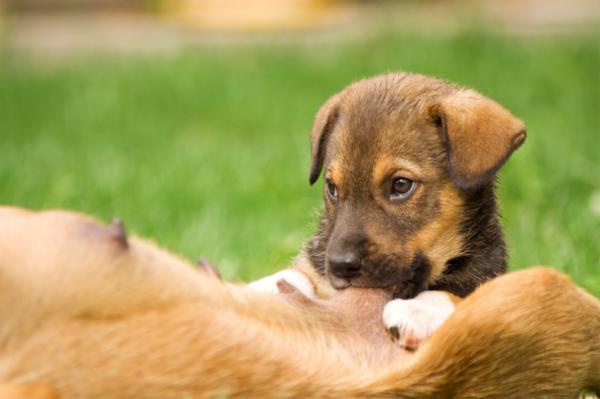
<point x="89" y="313"/>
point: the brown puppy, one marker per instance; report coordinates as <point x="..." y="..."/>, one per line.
<point x="92" y="313"/>
<point x="410" y="164"/>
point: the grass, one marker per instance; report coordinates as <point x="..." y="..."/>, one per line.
<point x="207" y="151"/>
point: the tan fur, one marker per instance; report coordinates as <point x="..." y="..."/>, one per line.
<point x="441" y="238"/>
<point x="481" y="134"/>
<point x="27" y="392"/>
<point x="386" y="166"/>
<point x="323" y="289"/>
<point x="91" y="318"/>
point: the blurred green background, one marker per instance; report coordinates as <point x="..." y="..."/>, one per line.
<point x="204" y="147"/>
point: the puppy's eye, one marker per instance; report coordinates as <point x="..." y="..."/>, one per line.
<point x="331" y="190"/>
<point x="402" y="188"/>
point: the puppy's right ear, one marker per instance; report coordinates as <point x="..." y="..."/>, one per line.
<point x="480" y="135"/>
<point x="322" y="127"/>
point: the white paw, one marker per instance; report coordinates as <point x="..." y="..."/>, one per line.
<point x="412" y="321"/>
<point x="294" y="277"/>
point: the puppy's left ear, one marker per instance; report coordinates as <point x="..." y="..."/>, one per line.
<point x="480" y="136"/>
<point x="324" y="123"/>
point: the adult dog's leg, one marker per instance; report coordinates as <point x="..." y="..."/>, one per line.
<point x="527" y="334"/>
<point x="26" y="392"/>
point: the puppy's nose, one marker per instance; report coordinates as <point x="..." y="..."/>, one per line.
<point x="345" y="266"/>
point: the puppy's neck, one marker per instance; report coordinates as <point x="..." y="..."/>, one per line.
<point x="484" y="247"/>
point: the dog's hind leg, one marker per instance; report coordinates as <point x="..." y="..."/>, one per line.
<point x="594" y="305"/>
<point x="26" y="392"/>
<point x="526" y="334"/>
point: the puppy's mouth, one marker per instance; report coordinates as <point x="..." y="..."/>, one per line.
<point x="404" y="283"/>
<point x="403" y="290"/>
<point x="395" y="289"/>
<point x="339" y="283"/>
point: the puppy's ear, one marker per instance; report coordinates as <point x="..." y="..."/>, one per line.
<point x="480" y="136"/>
<point x="323" y="125"/>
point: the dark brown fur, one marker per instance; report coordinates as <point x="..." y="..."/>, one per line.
<point x="451" y="141"/>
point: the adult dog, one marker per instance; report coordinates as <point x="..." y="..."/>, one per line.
<point x="89" y="313"/>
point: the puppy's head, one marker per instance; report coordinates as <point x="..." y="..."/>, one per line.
<point x="409" y="162"/>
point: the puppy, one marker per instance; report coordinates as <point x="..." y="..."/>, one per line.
<point x="88" y="312"/>
<point x="409" y="167"/>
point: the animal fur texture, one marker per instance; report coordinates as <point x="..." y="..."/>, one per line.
<point x="88" y="312"/>
<point x="447" y="140"/>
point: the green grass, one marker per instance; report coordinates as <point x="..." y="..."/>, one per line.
<point x="207" y="151"/>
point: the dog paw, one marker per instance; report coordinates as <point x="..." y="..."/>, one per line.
<point x="292" y="277"/>
<point x="412" y="321"/>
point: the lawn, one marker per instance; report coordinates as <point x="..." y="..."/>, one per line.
<point x="206" y="151"/>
